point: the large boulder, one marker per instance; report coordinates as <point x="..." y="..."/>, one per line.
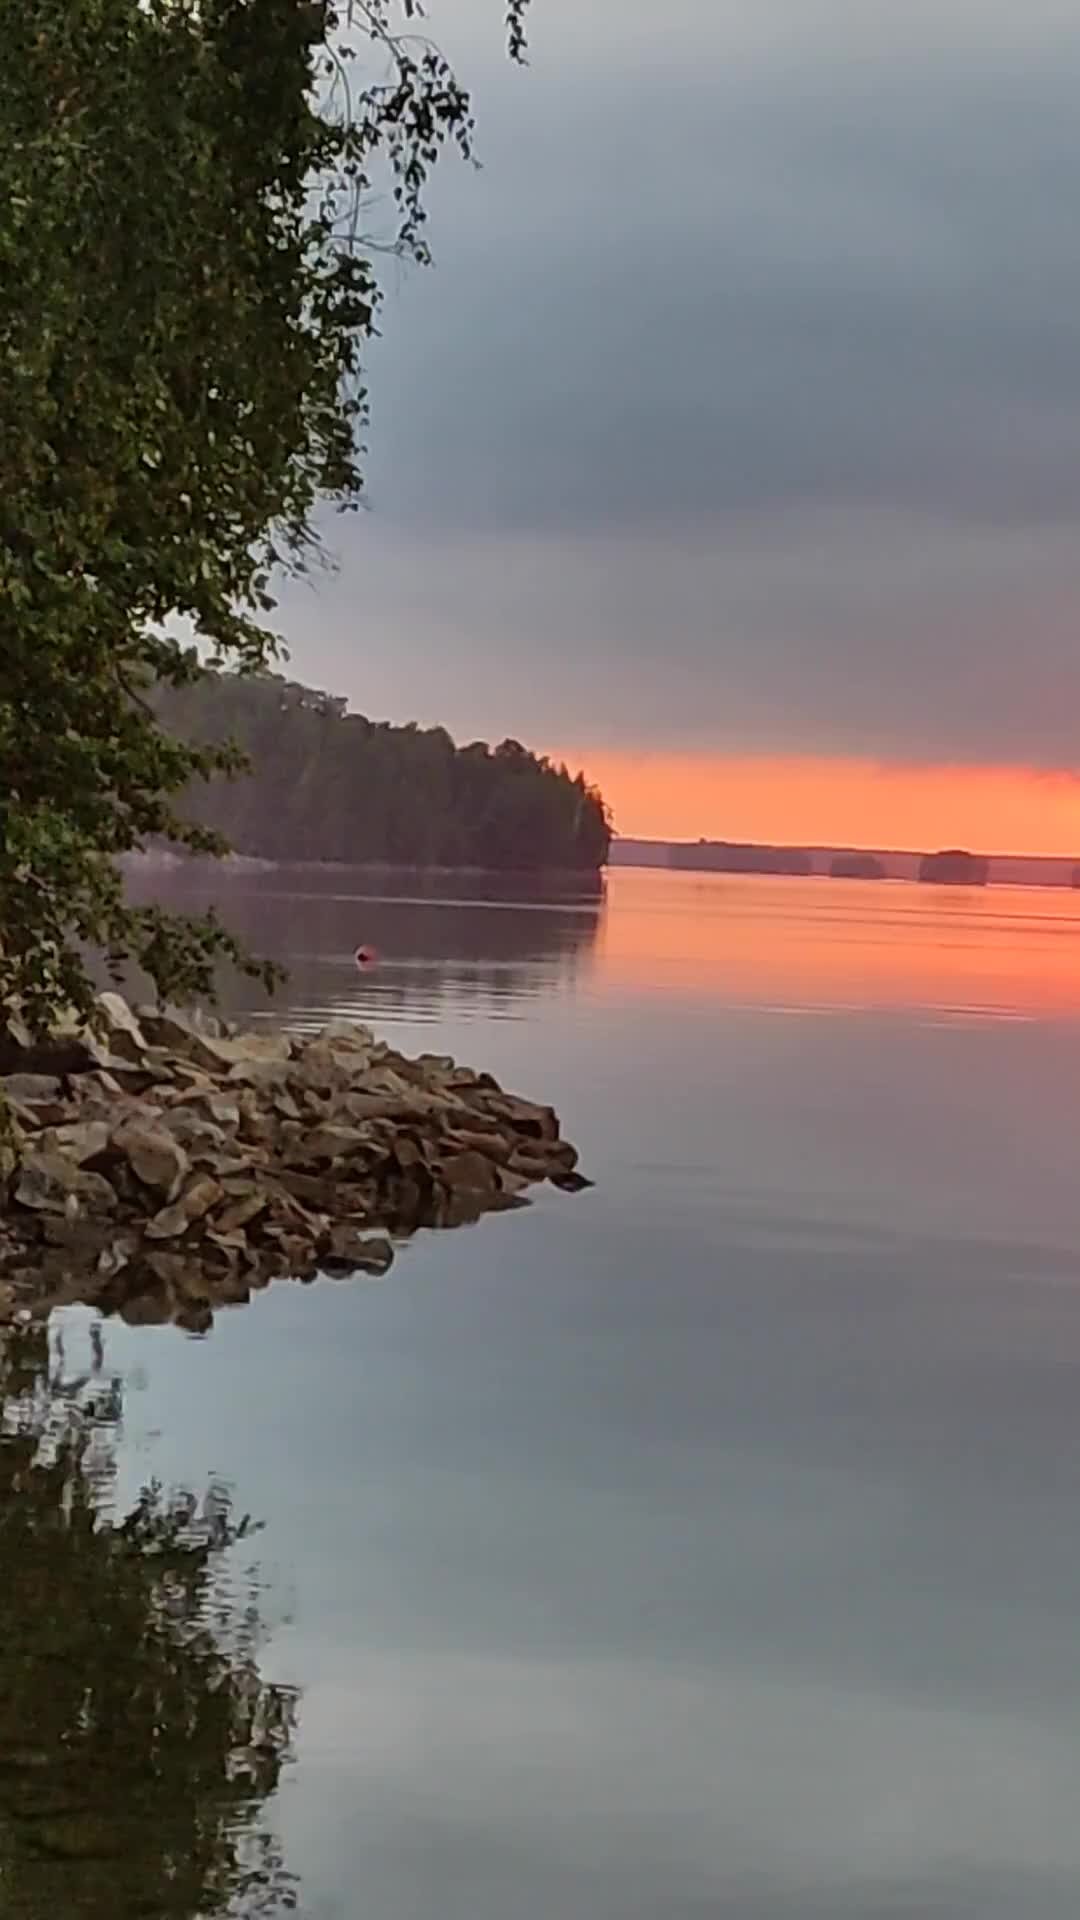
<point x="154" y="1155"/>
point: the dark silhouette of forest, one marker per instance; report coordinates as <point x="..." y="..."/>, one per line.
<point x="326" y="784"/>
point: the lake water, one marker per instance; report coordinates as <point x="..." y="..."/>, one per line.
<point x="705" y="1545"/>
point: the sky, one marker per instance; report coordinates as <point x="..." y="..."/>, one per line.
<point x="731" y="448"/>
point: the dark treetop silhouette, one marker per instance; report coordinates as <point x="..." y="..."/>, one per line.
<point x="330" y="785"/>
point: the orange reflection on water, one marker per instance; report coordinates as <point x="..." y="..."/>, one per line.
<point x="800" y="944"/>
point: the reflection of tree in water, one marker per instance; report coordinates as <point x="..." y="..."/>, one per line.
<point x="441" y="936"/>
<point x="138" y="1743"/>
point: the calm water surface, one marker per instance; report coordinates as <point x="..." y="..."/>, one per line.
<point x="707" y="1545"/>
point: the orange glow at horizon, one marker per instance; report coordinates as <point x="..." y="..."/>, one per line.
<point x="789" y="799"/>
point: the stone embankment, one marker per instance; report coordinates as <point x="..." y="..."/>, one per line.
<point x="160" y="1164"/>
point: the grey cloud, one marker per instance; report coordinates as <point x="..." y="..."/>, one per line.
<point x="853" y="633"/>
<point x="761" y="287"/>
<point x="747" y="388"/>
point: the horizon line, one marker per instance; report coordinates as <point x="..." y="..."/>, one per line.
<point x="836" y="846"/>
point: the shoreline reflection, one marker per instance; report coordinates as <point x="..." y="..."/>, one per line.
<point x="139" y="1744"/>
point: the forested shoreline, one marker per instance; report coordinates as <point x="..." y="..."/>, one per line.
<point x="330" y="785"/>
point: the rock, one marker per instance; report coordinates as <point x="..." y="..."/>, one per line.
<point x="468" y="1173"/>
<point x="117" y="1255"/>
<point x="126" y="1037"/>
<point x="154" y="1156"/>
<point x="409" y="1153"/>
<point x="533" y="1167"/>
<point x="147" y="1309"/>
<point x="15" y="1034"/>
<point x="389" y="1080"/>
<point x="232" y="1288"/>
<point x="543" y="1159"/>
<point x="31" y="1089"/>
<point x="81" y="1236"/>
<point x="513" y="1183"/>
<point x="186" y="1076"/>
<point x="177" y="1029"/>
<point x="322" y="1069"/>
<point x="197" y="1198"/>
<point x="363" y="1107"/>
<point x="311" y="1189"/>
<point x="261" y="1073"/>
<point x="168" y="1223"/>
<point x="93" y="1192"/>
<point x="194" y="1317"/>
<point x="295" y="1250"/>
<point x="77" y="1140"/>
<point x="571" y="1182"/>
<point x="45" y="1183"/>
<point x="203" y="1042"/>
<point x="210" y="1103"/>
<point x="459" y="1207"/>
<point x="464" y="1080"/>
<point x="240" y="1211"/>
<point x="232" y="1243"/>
<point x="44" y="1113"/>
<point x="193" y="1131"/>
<point x="494" y="1145"/>
<point x="328" y="1144"/>
<point x="62" y="1054"/>
<point x="48" y="1183"/>
<point x="345" y="1033"/>
<point x="403" y="1201"/>
<point x="12" y="1147"/>
<point x="232" y="1166"/>
<point x="536" y="1122"/>
<point x="259" y="1125"/>
<point x="266" y="1048"/>
<point x="352" y="1252"/>
<point x="187" y="1277"/>
<point x="97" y="1084"/>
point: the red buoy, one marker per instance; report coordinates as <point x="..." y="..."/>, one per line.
<point x="365" y="957"/>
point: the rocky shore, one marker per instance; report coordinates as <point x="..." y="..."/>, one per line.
<point x="159" y="1164"/>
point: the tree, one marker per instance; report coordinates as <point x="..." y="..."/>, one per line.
<point x="329" y="785"/>
<point x="186" y="291"/>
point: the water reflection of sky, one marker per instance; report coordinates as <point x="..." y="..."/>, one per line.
<point x="703" y="1546"/>
<point x="764" y="944"/>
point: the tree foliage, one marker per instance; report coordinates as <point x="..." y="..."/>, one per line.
<point x="330" y="785"/>
<point x="186" y="291"/>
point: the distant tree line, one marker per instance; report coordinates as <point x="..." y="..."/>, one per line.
<point x="736" y="856"/>
<point x="326" y="784"/>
